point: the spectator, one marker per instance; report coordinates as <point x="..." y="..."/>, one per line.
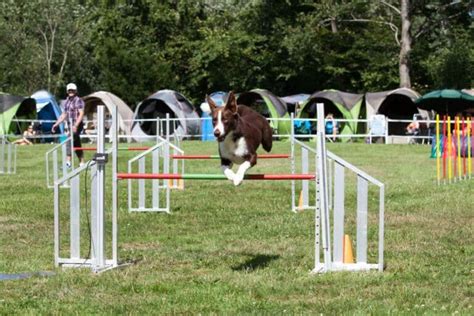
<point x="331" y="126"/>
<point x="413" y="128"/>
<point x="27" y="138"/>
<point x="73" y="113"/>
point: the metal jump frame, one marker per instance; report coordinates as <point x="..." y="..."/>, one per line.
<point x="7" y="156"/>
<point x="97" y="261"/>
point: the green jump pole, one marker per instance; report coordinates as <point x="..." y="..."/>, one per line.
<point x="200" y="176"/>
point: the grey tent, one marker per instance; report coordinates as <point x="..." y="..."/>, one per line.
<point x="394" y="104"/>
<point x="157" y="106"/>
<point x="293" y="101"/>
<point x="343" y="105"/>
<point x="125" y="114"/>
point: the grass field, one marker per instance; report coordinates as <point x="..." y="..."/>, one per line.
<point x="228" y="250"/>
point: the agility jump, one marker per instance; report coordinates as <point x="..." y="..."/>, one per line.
<point x="330" y="195"/>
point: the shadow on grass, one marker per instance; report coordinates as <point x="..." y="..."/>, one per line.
<point x="255" y="262"/>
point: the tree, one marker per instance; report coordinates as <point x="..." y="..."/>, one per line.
<point x="49" y="32"/>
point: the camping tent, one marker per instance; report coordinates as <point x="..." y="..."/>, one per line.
<point x="394" y="104"/>
<point x="125" y="114"/>
<point x="15" y="107"/>
<point x="293" y="101"/>
<point x="157" y="106"/>
<point x="269" y="105"/>
<point x="219" y="98"/>
<point x="47" y="109"/>
<point x="343" y="105"/>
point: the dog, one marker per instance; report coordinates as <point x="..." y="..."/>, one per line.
<point x="239" y="131"/>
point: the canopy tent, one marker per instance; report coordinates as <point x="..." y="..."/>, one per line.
<point x="125" y="114"/>
<point x="447" y="101"/>
<point x="398" y="104"/>
<point x="269" y="105"/>
<point x="157" y="106"/>
<point x="342" y="105"/>
<point x="470" y="110"/>
<point x="47" y="109"/>
<point x="15" y="107"/>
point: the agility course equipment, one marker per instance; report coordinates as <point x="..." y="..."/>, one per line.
<point x="96" y="259"/>
<point x="55" y="158"/>
<point x="140" y="163"/>
<point x="56" y="166"/>
<point x="329" y="194"/>
<point x="200" y="157"/>
<point x="453" y="150"/>
<point x="203" y="176"/>
<point x="7" y="156"/>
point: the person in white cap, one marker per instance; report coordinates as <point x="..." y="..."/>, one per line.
<point x="73" y="113"/>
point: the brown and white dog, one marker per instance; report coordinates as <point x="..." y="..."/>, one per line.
<point x="239" y="131"/>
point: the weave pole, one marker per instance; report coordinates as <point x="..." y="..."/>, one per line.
<point x="438" y="152"/>
<point x="470" y="126"/>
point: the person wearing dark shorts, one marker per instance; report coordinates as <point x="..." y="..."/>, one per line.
<point x="73" y="114"/>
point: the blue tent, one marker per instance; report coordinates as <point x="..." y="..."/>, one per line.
<point x="206" y="123"/>
<point x="47" y="109"/>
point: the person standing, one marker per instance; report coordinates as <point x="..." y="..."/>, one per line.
<point x="73" y="113"/>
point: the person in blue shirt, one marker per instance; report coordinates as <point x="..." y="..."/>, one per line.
<point x="331" y="125"/>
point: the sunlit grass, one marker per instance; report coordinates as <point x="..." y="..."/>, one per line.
<point x="241" y="250"/>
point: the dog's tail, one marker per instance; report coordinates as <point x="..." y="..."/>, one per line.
<point x="267" y="137"/>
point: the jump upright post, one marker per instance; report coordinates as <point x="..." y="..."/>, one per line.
<point x="98" y="258"/>
<point x="7" y="156"/>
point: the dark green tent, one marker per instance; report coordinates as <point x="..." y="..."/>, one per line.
<point x="343" y="105"/>
<point x="269" y="105"/>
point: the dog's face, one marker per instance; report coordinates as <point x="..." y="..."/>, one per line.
<point x="223" y="118"/>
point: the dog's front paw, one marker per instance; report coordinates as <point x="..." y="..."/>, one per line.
<point x="229" y="174"/>
<point x="238" y="179"/>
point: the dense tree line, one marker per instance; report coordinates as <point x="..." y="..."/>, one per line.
<point x="133" y="48"/>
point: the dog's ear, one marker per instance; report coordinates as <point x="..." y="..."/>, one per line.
<point x="211" y="103"/>
<point x="231" y="102"/>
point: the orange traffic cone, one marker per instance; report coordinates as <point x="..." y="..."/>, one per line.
<point x="347" y="246"/>
<point x="300" y="202"/>
<point x="178" y="186"/>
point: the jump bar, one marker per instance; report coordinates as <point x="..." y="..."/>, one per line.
<point x="128" y="148"/>
<point x="264" y="156"/>
<point x="201" y="176"/>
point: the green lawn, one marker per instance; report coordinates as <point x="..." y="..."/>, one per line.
<point x="229" y="250"/>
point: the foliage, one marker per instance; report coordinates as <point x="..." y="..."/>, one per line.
<point x="133" y="48"/>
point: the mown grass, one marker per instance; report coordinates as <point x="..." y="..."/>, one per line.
<point x="230" y="250"/>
